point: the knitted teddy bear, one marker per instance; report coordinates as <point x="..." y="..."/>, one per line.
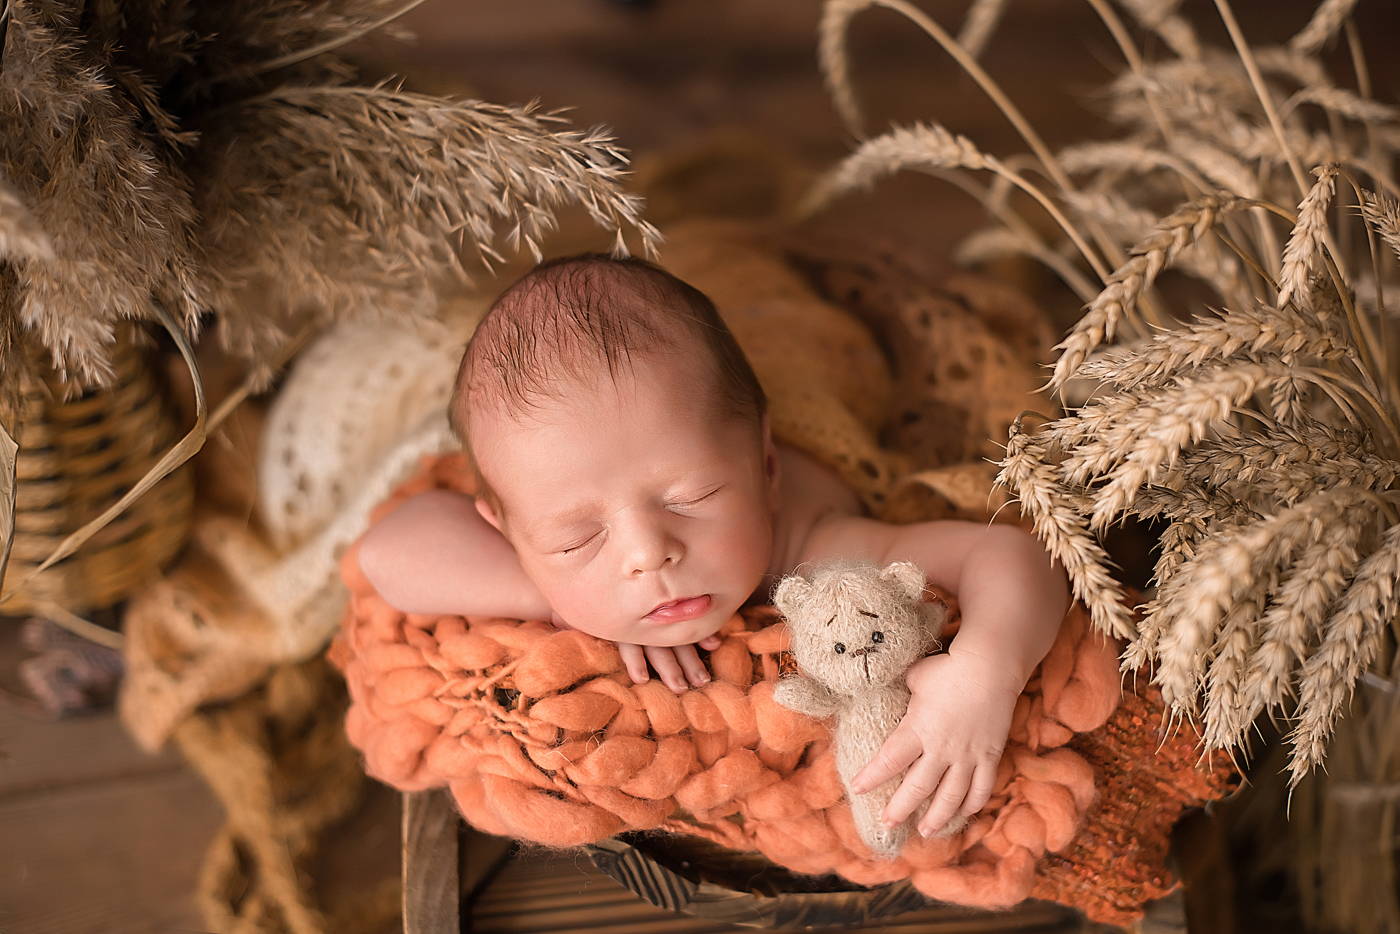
<point x="855" y="629"/>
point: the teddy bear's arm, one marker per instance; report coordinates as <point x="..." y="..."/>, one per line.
<point x="806" y="696"/>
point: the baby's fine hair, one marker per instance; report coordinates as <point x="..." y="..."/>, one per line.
<point x="568" y="316"/>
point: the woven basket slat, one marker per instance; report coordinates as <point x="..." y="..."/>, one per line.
<point x="86" y="494"/>
<point x="88" y="423"/>
<point x="78" y="455"/>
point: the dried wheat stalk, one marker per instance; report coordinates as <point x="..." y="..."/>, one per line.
<point x="1262" y="435"/>
<point x="980" y="23"/>
<point x="173" y="161"/>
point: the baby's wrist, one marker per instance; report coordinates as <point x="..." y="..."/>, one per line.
<point x="988" y="672"/>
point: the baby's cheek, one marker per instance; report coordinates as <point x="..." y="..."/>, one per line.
<point x="588" y="609"/>
<point x="747" y="548"/>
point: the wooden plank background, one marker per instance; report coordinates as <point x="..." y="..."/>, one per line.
<point x="96" y="837"/>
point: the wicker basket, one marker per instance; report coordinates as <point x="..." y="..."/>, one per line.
<point x="77" y="457"/>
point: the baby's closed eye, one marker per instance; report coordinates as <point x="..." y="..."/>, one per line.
<point x="580" y="543"/>
<point x="689" y="502"/>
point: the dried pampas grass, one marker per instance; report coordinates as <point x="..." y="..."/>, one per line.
<point x="213" y="160"/>
<point x="1261" y="436"/>
<point x="373" y="193"/>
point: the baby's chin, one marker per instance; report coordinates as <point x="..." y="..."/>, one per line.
<point x="668" y="635"/>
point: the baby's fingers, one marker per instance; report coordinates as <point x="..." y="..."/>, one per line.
<point x="948" y="801"/>
<point x="901" y="749"/>
<point x="635" y="661"/>
<point x="984" y="781"/>
<point x="691" y="664"/>
<point x="668" y="669"/>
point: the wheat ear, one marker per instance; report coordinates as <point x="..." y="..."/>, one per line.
<point x="835" y="62"/>
<point x="1307" y="234"/>
<point x="1193" y="513"/>
<point x="1227" y="565"/>
<point x="1123" y="288"/>
<point x="1326" y="20"/>
<point x="1253" y="331"/>
<point x="1144" y="431"/>
<point x="1301" y="67"/>
<point x="921" y="145"/>
<point x="1351" y="639"/>
<point x="1297" y="612"/>
<point x="1226" y="704"/>
<point x="928" y="146"/>
<point x="1161" y="17"/>
<point x="1285" y="465"/>
<point x="1224" y="171"/>
<point x="1341" y="102"/>
<point x="1026" y="473"/>
<point x="1127" y="156"/>
<point x="1383" y="213"/>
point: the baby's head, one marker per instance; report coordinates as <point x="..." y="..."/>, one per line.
<point x="621" y="445"/>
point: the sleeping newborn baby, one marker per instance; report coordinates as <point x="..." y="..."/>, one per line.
<point x="628" y="486"/>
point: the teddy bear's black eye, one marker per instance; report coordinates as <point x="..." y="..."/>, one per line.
<point x="877" y="636"/>
<point x="840" y="648"/>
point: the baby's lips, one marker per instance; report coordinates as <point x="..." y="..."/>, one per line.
<point x="679" y="611"/>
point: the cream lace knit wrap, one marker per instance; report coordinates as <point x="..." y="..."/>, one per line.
<point x="360" y="409"/>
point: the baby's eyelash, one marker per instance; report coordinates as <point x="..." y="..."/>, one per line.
<point x="697" y="500"/>
<point x="573" y="548"/>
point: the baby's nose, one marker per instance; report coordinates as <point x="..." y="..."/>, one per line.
<point x="652" y="548"/>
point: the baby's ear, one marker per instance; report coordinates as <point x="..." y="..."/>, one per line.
<point x="907" y="576"/>
<point x="790" y="592"/>
<point x="772" y="466"/>
<point x="488" y="513"/>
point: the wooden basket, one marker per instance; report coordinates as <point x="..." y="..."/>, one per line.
<point x="692" y="875"/>
<point x="77" y="457"/>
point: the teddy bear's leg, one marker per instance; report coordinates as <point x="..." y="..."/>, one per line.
<point x="866" y="809"/>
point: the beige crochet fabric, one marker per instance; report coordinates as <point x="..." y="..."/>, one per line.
<point x="827" y="381"/>
<point x="349" y="399"/>
<point x="359" y="411"/>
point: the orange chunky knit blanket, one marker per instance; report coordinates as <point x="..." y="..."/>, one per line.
<point x="540" y="735"/>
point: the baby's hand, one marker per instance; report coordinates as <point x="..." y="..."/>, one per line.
<point x="951" y="740"/>
<point x="675" y="665"/>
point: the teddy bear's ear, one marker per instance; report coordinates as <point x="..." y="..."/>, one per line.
<point x="907" y="576"/>
<point x="789" y="593"/>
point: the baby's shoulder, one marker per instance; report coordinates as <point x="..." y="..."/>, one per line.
<point x="837" y="537"/>
<point x="821" y="518"/>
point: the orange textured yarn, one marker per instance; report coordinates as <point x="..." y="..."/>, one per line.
<point x="541" y="736"/>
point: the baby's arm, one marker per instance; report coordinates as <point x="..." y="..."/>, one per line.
<point x="1012" y="600"/>
<point x="436" y="554"/>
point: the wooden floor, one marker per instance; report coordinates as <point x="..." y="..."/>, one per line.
<point x="97" y="837"/>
